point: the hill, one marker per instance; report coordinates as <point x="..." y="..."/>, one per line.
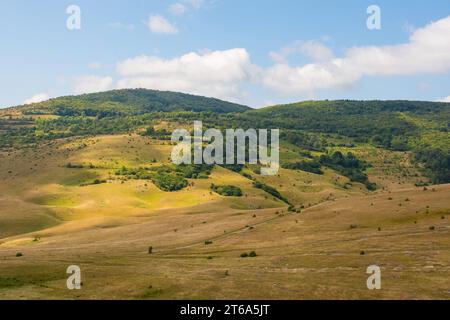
<point x="88" y="201"/>
<point x="88" y="180"/>
<point x="421" y="128"/>
<point x="128" y="102"/>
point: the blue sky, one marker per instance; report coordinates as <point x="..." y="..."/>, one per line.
<point x="254" y="52"/>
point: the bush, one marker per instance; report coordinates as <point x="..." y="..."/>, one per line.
<point x="436" y="163"/>
<point x="95" y="182"/>
<point x="169" y="182"/>
<point x="74" y="166"/>
<point x="307" y="166"/>
<point x="270" y="190"/>
<point x="252" y="254"/>
<point x="349" y="166"/>
<point x="197" y="171"/>
<point x="227" y="190"/>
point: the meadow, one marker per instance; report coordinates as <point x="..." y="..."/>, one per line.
<point x="78" y="190"/>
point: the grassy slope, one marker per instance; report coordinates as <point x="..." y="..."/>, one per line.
<point x="106" y="229"/>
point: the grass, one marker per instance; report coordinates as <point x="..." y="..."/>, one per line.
<point x="107" y="230"/>
<point x="54" y="200"/>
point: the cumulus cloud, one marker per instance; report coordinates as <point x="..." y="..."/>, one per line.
<point x="228" y="74"/>
<point x="160" y="25"/>
<point x="447" y="99"/>
<point x="89" y="84"/>
<point x="37" y="98"/>
<point x="219" y="73"/>
<point x="427" y="52"/>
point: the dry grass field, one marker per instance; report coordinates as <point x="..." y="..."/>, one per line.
<point x="198" y="237"/>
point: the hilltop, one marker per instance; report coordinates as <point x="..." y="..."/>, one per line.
<point x="128" y="102"/>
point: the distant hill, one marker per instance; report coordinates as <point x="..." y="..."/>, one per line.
<point x="357" y="119"/>
<point x="417" y="126"/>
<point x="129" y="102"/>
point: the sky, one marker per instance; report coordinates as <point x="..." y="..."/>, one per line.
<point x="253" y="52"/>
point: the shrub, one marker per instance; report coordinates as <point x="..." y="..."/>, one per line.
<point x="307" y="166"/>
<point x="74" y="166"/>
<point x="169" y="182"/>
<point x="349" y="166"/>
<point x="270" y="190"/>
<point x="227" y="190"/>
<point x="198" y="171"/>
<point x="95" y="182"/>
<point x="252" y="254"/>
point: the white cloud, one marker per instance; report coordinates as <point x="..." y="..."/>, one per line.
<point x="427" y="52"/>
<point x="218" y="74"/>
<point x="177" y="8"/>
<point x="447" y="99"/>
<point x="37" y="98"/>
<point x="89" y="84"/>
<point x="292" y="80"/>
<point x="160" y="25"/>
<point x="228" y="74"/>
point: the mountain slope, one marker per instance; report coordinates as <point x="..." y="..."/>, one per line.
<point x="421" y="128"/>
<point x="417" y="126"/>
<point x="90" y="188"/>
<point x="129" y="101"/>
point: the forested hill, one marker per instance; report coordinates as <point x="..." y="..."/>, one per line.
<point x="129" y="102"/>
<point x="422" y="128"/>
<point x="379" y="120"/>
<point x="417" y="126"/>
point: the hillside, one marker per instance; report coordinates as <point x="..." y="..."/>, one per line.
<point x="98" y="190"/>
<point x="420" y="127"/>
